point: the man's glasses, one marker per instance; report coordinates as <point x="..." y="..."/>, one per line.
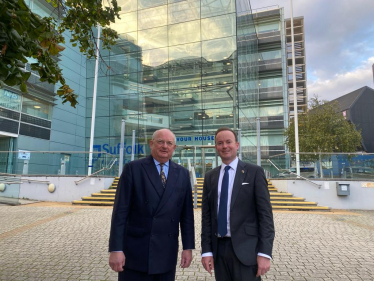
<point x="162" y="142"/>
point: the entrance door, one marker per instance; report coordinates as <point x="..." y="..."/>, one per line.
<point x="6" y="154"/>
<point x="203" y="158"/>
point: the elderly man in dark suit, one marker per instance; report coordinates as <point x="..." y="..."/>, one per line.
<point x="237" y="220"/>
<point x="153" y="199"/>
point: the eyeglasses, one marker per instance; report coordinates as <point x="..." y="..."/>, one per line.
<point x="162" y="142"/>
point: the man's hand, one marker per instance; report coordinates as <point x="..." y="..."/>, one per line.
<point x="263" y="265"/>
<point x="208" y="263"/>
<point x="117" y="261"/>
<point x="186" y="258"/>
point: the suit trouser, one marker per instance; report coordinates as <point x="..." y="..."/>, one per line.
<point x="227" y="267"/>
<point x="133" y="275"/>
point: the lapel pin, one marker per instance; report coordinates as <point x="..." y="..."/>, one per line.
<point x="242" y="171"/>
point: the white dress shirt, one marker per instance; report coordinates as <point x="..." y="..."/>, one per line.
<point x="233" y="167"/>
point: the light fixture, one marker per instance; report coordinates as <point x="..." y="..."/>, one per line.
<point x="224" y="82"/>
<point x="181" y="100"/>
<point x="217" y="116"/>
<point x="199" y="113"/>
<point x="203" y="117"/>
<point x="228" y="63"/>
<point x="231" y="115"/>
<point x="36" y="106"/>
<point x="191" y="118"/>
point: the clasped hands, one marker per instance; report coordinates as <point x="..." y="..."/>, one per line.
<point x="117" y="260"/>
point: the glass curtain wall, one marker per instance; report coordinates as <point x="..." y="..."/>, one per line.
<point x="176" y="66"/>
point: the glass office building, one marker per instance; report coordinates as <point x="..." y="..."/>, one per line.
<point x="190" y="66"/>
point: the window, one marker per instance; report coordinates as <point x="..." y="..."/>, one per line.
<point x="10" y="100"/>
<point x="35" y="107"/>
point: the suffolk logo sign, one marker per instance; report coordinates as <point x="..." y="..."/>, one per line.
<point x="139" y="149"/>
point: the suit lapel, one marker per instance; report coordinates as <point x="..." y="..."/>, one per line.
<point x="241" y="171"/>
<point x="215" y="178"/>
<point x="171" y="184"/>
<point x="154" y="177"/>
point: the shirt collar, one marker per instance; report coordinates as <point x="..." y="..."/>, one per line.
<point x="158" y="163"/>
<point x="233" y="164"/>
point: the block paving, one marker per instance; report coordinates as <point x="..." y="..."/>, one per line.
<point x="59" y="241"/>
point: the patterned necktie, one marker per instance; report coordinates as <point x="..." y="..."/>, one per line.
<point x="222" y="212"/>
<point x="162" y="174"/>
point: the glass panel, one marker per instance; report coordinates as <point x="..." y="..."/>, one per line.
<point x="153" y="38"/>
<point x="271" y="111"/>
<point x="267" y="27"/>
<point x="210" y="8"/>
<point x="182" y="33"/>
<point x="219" y="49"/>
<point x="186" y="10"/>
<point x="277" y="54"/>
<point x="144" y="4"/>
<point x="271" y="82"/>
<point x="153" y="17"/>
<point x="10" y="100"/>
<point x="218" y="27"/>
<point x="127" y="23"/>
<point x="127" y="5"/>
<point x="36" y="108"/>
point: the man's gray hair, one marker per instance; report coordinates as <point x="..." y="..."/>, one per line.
<point x="154" y="134"/>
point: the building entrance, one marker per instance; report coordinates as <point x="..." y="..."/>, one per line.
<point x="6" y="154"/>
<point x="202" y="157"/>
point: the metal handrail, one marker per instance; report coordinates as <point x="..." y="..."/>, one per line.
<point x="322" y="153"/>
<point x="12" y="182"/>
<point x="103" y="169"/>
<point x="24" y="179"/>
<point x="319" y="185"/>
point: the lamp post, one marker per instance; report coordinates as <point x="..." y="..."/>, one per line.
<point x="94" y="102"/>
<point x="295" y="97"/>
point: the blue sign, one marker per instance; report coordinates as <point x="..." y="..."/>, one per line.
<point x="116" y="149"/>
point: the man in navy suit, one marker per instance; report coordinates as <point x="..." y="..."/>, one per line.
<point x="237" y="220"/>
<point x="153" y="198"/>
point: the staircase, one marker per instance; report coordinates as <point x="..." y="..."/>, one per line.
<point x="104" y="198"/>
<point x="279" y="200"/>
<point x="286" y="201"/>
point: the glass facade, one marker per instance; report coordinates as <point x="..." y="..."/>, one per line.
<point x="190" y="66"/>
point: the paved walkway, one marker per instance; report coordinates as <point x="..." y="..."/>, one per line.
<point x="46" y="241"/>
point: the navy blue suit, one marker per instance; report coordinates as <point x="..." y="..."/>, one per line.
<point x="146" y="217"/>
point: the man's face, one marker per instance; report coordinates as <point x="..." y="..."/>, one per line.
<point x="226" y="146"/>
<point x="162" y="146"/>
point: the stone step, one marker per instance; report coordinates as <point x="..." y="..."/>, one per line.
<point x="103" y="194"/>
<point x="102" y="203"/>
<point x="280" y="194"/>
<point x="314" y="208"/>
<point x="287" y="198"/>
<point x="96" y="198"/>
<point x="303" y="203"/>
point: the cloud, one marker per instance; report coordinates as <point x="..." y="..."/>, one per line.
<point x="339" y="38"/>
<point x="343" y="83"/>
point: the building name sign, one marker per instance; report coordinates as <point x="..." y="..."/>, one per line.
<point x="195" y="138"/>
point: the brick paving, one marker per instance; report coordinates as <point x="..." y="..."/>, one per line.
<point x="63" y="242"/>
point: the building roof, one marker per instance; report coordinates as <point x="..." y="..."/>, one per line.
<point x="346" y="101"/>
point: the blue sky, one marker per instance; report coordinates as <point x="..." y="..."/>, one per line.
<point x="339" y="37"/>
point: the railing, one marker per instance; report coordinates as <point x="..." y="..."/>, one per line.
<point x="319" y="185"/>
<point x="54" y="163"/>
<point x="95" y="174"/>
<point x="193" y="179"/>
<point x="348" y="166"/>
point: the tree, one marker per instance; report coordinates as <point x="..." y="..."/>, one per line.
<point x="25" y="35"/>
<point x="323" y="129"/>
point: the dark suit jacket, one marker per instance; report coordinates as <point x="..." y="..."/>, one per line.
<point x="146" y="218"/>
<point x="251" y="217"/>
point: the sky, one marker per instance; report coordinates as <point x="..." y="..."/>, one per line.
<point x="339" y="38"/>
